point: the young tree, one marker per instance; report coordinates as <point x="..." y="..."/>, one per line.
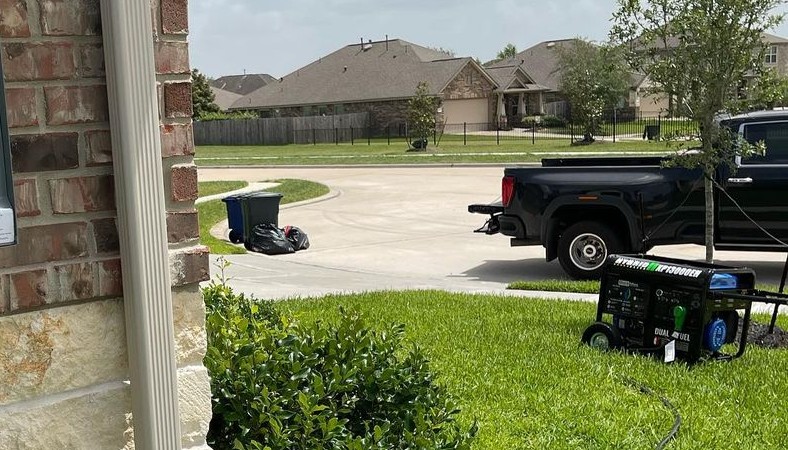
<point x="202" y="96"/>
<point x="421" y="113"/>
<point x="698" y="51"/>
<point x="593" y="78"/>
<point x="510" y="51"/>
<point x="770" y="89"/>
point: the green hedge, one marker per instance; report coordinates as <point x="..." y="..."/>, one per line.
<point x="280" y="384"/>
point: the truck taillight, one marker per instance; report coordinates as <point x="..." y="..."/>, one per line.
<point x="507" y="190"/>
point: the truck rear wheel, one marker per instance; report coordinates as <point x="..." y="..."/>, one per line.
<point x="584" y="247"/>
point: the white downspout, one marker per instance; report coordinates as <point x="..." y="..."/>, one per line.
<point x="136" y="154"/>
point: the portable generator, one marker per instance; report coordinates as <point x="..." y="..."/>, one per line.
<point x="672" y="308"/>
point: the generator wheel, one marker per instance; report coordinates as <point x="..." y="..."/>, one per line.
<point x="602" y="336"/>
<point x="584" y="247"/>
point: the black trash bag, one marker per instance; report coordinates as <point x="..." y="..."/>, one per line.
<point x="297" y="237"/>
<point x="268" y="239"/>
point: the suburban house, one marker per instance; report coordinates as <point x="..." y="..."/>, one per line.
<point x="379" y="78"/>
<point x="102" y="321"/>
<point x="242" y="84"/>
<point x="540" y="64"/>
<point x="229" y="88"/>
<point x="649" y="100"/>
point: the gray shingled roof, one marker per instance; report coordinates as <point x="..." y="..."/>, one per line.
<point x="224" y="99"/>
<point x="372" y="71"/>
<point x="242" y="84"/>
<point x="773" y="39"/>
<point x="539" y="62"/>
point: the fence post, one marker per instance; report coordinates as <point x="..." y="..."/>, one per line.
<point x="336" y="136"/>
<point x="498" y="133"/>
<point x="351" y="136"/>
<point x="465" y="133"/>
<point x="314" y="137"/>
<point x="614" y="125"/>
<point x="533" y="134"/>
<point x="434" y="136"/>
<point x="388" y="134"/>
<point x="369" y="133"/>
<point x="571" y="132"/>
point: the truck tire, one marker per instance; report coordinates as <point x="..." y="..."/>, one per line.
<point x="584" y="247"/>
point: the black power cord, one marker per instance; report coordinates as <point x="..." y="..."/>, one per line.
<point x="676" y="416"/>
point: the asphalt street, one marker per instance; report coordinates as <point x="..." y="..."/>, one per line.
<point x="407" y="228"/>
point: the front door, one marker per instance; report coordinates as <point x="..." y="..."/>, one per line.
<point x="758" y="202"/>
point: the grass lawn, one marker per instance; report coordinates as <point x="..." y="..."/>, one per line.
<point x="449" y="150"/>
<point x="212" y="212"/>
<point x="516" y="365"/>
<point x="206" y="188"/>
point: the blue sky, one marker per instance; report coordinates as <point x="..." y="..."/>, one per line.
<point x="277" y="37"/>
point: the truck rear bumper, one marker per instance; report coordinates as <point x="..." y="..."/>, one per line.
<point x="512" y="226"/>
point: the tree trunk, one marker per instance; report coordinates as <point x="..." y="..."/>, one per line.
<point x="709" y="188"/>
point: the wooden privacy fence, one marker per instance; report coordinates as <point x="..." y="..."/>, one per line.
<point x="284" y="130"/>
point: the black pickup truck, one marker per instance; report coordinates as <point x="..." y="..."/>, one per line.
<point x="582" y="209"/>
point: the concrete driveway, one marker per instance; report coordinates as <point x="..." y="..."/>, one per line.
<point x="407" y="228"/>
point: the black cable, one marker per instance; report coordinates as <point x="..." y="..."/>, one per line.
<point x="676" y="416"/>
<point x="672" y="213"/>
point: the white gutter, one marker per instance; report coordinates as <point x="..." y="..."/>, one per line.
<point x="139" y="191"/>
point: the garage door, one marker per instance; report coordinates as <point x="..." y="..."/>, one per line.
<point x="474" y="110"/>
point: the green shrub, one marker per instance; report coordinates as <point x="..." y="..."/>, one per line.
<point x="553" y="121"/>
<point x="279" y="384"/>
<point x="221" y="115"/>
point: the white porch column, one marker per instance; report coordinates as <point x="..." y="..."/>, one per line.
<point x="540" y="103"/>
<point x="139" y="192"/>
<point x="521" y="104"/>
<point x="501" y="111"/>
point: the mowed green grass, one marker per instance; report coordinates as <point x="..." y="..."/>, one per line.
<point x="517" y="366"/>
<point x="206" y="188"/>
<point x="448" y="150"/>
<point x="212" y="212"/>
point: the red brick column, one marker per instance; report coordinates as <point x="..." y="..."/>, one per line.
<point x="56" y="102"/>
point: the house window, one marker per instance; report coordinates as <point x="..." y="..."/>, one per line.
<point x="771" y="55"/>
<point x="339" y="109"/>
<point x="306" y="111"/>
<point x="469" y="78"/>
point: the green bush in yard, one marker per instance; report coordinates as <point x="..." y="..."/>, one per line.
<point x="280" y="384"/>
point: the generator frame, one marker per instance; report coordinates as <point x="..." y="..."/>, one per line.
<point x="654" y="302"/>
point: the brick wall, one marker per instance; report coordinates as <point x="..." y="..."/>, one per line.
<point x="61" y="305"/>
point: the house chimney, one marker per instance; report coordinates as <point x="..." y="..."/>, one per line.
<point x="362" y="41"/>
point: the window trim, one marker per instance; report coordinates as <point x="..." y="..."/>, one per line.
<point x="770" y="57"/>
<point x="740" y="161"/>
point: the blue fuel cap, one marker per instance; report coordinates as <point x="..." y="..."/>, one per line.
<point x="714" y="335"/>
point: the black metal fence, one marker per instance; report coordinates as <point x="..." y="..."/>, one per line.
<point x="612" y="127"/>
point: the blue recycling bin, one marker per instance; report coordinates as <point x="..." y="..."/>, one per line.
<point x="235" y="218"/>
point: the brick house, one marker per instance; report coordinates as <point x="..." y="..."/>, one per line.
<point x="101" y="318"/>
<point x="379" y="78"/>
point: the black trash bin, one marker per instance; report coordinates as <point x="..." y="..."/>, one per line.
<point x="651" y="132"/>
<point x="257" y="208"/>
